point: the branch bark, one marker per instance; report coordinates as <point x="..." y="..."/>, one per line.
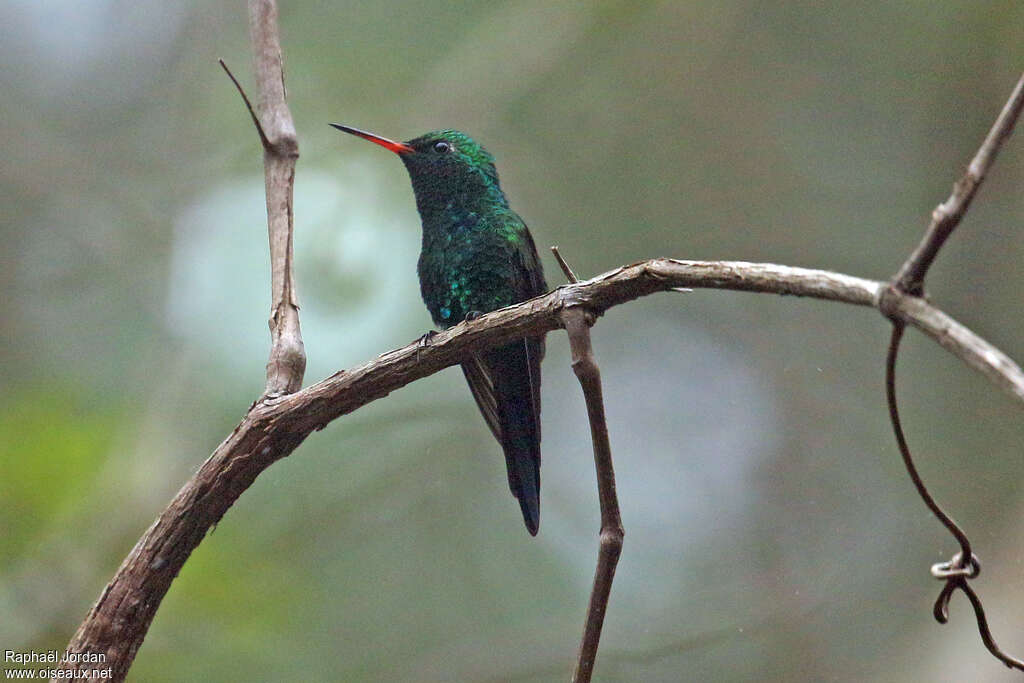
<point x="577" y="325"/>
<point x="577" y="322"/>
<point x="287" y="362"/>
<point x="276" y="425"/>
<point x="118" y="622"/>
<point x="910" y="280"/>
<point x="947" y="215"/>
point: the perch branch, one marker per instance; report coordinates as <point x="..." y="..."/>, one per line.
<point x="287" y="362"/>
<point x="274" y="426"/>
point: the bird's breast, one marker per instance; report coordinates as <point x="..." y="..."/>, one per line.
<point x="464" y="267"/>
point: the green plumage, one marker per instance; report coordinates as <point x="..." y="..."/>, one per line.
<point x="478" y="256"/>
<point x="477" y="252"/>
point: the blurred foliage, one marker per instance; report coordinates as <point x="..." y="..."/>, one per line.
<point x="771" y="533"/>
<point x="75" y="440"/>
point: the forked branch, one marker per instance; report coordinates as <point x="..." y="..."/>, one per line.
<point x="909" y="280"/>
<point x="947" y="215"/>
<point x="275" y="426"/>
<point x="284" y="416"/>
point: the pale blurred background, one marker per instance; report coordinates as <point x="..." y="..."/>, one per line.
<point x="771" y="532"/>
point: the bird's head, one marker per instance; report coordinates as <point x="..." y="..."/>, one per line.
<point x="444" y="164"/>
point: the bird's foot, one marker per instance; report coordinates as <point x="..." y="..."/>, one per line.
<point x="424" y="342"/>
<point x="473" y="315"/>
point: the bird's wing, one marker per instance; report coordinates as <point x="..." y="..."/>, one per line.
<point x="481" y="384"/>
<point x="534" y="354"/>
<point x="531" y="282"/>
<point x="531" y="285"/>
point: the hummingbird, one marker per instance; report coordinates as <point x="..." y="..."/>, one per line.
<point x="478" y="256"/>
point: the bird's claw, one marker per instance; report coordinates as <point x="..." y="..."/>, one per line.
<point x="473" y="315"/>
<point x="424" y="342"/>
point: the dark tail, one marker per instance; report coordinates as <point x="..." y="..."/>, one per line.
<point x="514" y="371"/>
<point x="520" y="430"/>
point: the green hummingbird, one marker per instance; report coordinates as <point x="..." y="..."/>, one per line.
<point x="478" y="256"/>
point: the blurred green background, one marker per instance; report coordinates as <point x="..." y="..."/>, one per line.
<point x="771" y="532"/>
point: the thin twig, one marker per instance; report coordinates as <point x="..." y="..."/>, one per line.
<point x="986" y="634"/>
<point x="946" y="216"/>
<point x="959" y="570"/>
<point x="577" y="325"/>
<point x="117" y="624"/>
<point x="907" y="286"/>
<point x="569" y="275"/>
<point x="248" y="105"/>
<point x="901" y="442"/>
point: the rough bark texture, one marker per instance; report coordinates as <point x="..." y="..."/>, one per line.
<point x="584" y="365"/>
<point x="287" y="362"/>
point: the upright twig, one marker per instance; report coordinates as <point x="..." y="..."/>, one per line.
<point x="947" y="215"/>
<point x="908" y="284"/>
<point x="569" y="275"/>
<point x="577" y="322"/>
<point x="287" y="362"/>
<point x="264" y="141"/>
<point x="119" y="620"/>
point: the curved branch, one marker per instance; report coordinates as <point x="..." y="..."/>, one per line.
<point x="957" y="339"/>
<point x="275" y="426"/>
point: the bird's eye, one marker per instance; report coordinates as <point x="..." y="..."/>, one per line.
<point x="441" y="147"/>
